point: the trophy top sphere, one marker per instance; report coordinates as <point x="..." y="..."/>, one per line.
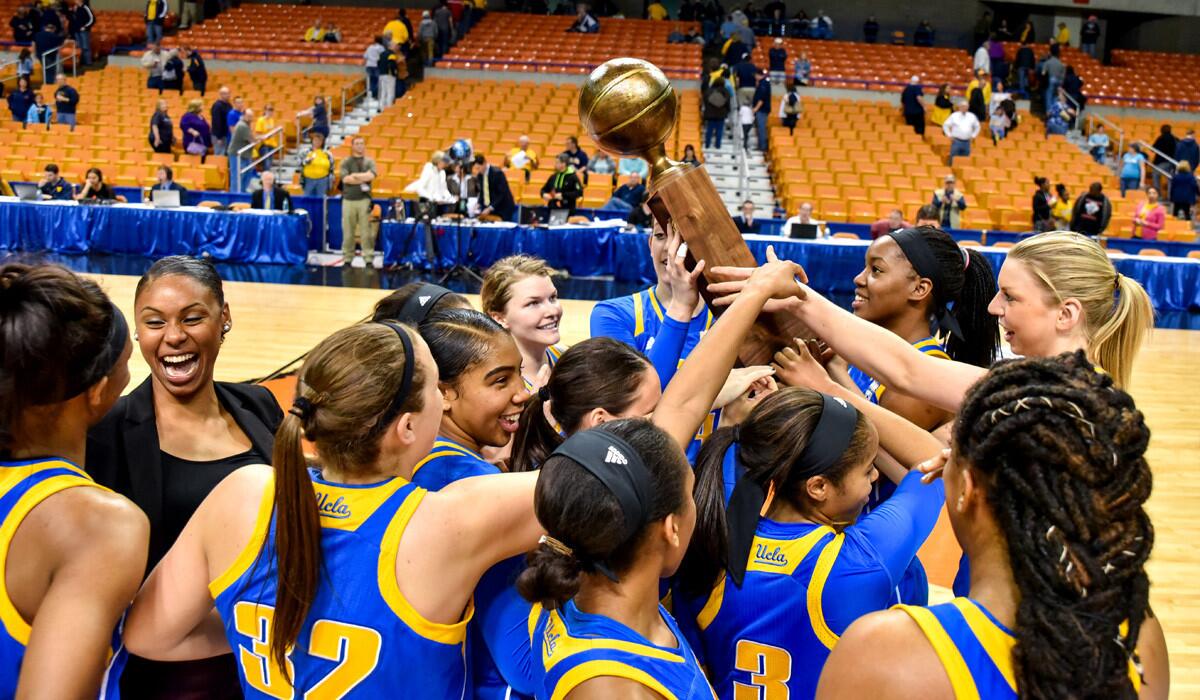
<point x="628" y="106"/>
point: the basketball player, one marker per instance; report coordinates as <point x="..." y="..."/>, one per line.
<point x="519" y="294"/>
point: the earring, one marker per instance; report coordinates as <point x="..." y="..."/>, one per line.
<point x="135" y="337"/>
<point x="225" y="328"/>
<point x="960" y="502"/>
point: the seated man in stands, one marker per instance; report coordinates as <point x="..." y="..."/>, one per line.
<point x="95" y="188"/>
<point x="628" y="196"/>
<point x="1098" y="144"/>
<point x="804" y="216"/>
<point x="522" y="157"/>
<point x="333" y="35"/>
<point x="923" y="34"/>
<point x="584" y="22"/>
<point x="164" y="179"/>
<point x="563" y="189"/>
<point x="633" y="166"/>
<point x="272" y="197"/>
<point x="39" y="112"/>
<point x="316" y="32"/>
<point x="576" y="157"/>
<point x="746" y="223"/>
<point x="602" y="164"/>
<point x="23" y="26"/>
<point x="53" y="186"/>
<point x="894" y="222"/>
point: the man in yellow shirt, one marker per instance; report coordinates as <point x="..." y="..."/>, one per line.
<point x="315" y="32"/>
<point x="657" y="11"/>
<point x="397" y="30"/>
<point x="522" y="157"/>
<point x="1063" y="36"/>
<point x="262" y="126"/>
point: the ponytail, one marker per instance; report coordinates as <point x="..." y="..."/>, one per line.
<point x="707" y="556"/>
<point x="1117" y="341"/>
<point x="535" y="438"/>
<point x="552" y="577"/>
<point x="297" y="539"/>
<point x="979" y="343"/>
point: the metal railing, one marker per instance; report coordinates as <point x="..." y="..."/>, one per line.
<point x="348" y="99"/>
<point x="244" y="167"/>
<point x="58" y="61"/>
<point x="1110" y="126"/>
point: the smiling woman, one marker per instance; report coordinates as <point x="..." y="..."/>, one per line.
<point x="169" y="442"/>
<point x="519" y="294"/>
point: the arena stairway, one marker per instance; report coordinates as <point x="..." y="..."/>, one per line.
<point x="339" y="131"/>
<point x="740" y="175"/>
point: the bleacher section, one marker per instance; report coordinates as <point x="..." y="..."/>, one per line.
<point x="114" y="115"/>
<point x="112" y="29"/>
<point x="840" y="64"/>
<point x="493" y="114"/>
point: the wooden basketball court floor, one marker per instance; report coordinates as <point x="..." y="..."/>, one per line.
<point x="275" y="323"/>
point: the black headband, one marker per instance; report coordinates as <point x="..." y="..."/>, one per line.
<point x="620" y="468"/>
<point x="920" y="255"/>
<point x="419" y="305"/>
<point x="828" y="442"/>
<point x="406" y="382"/>
<point x="106" y="357"/>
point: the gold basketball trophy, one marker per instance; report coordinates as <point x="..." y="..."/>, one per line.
<point x="628" y="107"/>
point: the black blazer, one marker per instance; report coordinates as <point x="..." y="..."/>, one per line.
<point x="502" y="203"/>
<point x="281" y="200"/>
<point x="123" y="451"/>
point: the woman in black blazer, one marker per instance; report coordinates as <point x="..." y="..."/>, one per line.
<point x="168" y="443"/>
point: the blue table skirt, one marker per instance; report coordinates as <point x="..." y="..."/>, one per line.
<point x="233" y="237"/>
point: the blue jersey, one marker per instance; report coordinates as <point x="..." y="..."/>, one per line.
<point x="448" y="462"/>
<point x="552" y="354"/>
<point x="24" y="485"/>
<point x="975" y="649"/>
<point x="362" y="638"/>
<point x="804" y="585"/>
<point x="576" y="646"/>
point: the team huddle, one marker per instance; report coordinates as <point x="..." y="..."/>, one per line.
<point x="456" y="505"/>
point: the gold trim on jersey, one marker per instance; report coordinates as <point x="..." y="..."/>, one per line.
<point x="709" y="612"/>
<point x="343" y="508"/>
<point x="558" y="644"/>
<point x="816" y="589"/>
<point x="445" y="448"/>
<point x="783" y="556"/>
<point x="258" y="536"/>
<point x="389" y="588"/>
<point x="14" y="624"/>
<point x="604" y="667"/>
<point x="995" y="641"/>
<point x="947" y="652"/>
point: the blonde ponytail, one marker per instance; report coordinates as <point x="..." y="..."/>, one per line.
<point x="1116" y="342"/>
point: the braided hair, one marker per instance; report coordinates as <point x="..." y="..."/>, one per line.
<point x="1062" y="452"/>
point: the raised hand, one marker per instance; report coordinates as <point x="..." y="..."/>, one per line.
<point x="782" y="280"/>
<point x="740" y="381"/>
<point x="932" y="468"/>
<point x="796" y="366"/>
<point x="685" y="286"/>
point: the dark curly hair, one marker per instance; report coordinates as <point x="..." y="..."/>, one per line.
<point x="1062" y="454"/>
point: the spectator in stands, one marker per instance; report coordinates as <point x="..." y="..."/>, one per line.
<point x="333" y="34"/>
<point x="894" y="222"/>
<point x="53" y="186"/>
<point x="357" y="173"/>
<point x="871" y="30"/>
<point x="66" y="98"/>
<point x="271" y="196"/>
<point x="656" y="11"/>
<point x="822" y="26"/>
<point x="389" y="62"/>
<point x="744" y="33"/>
<point x="1059" y="115"/>
<point x="1133" y="169"/>
<point x="156" y="12"/>
<point x="371" y="57"/>
<point x="950" y="203"/>
<point x="25" y="64"/>
<point x="1073" y="86"/>
<point x="999" y="119"/>
<point x="641" y="217"/>
<point x="164" y="180"/>
<point x="633" y="166"/>
<point x="1054" y="71"/>
<point x="942" y="106"/>
<point x="762" y="109"/>
<point x="46" y="44"/>
<point x="263" y="126"/>
<point x="433" y="196"/>
<point x="1060" y="211"/>
<point x="219" y="114"/>
<point x="715" y="110"/>
<point x="152" y="60"/>
<point x="790" y="109"/>
<point x="39" y="112"/>
<point x="1028" y="34"/>
<point x="316" y="167"/>
<point x="1089" y="34"/>
<point x="191" y="13"/>
<point x="523" y="157"/>
<point x="584" y="22"/>
<point x="172" y="72"/>
<point x="1187" y="149"/>
<point x="575" y="157"/>
<point x="563" y="188"/>
<point x="982" y="61"/>
<point x="728" y="27"/>
<point x="162" y="135"/>
<point x="927" y="215"/>
<point x="197" y="133"/>
<point x="1184" y="190"/>
<point x="241" y="136"/>
<point x="746" y="223"/>
<point x="746" y="120"/>
<point x="911" y="106"/>
<point x="316" y="32"/>
<point x="777" y="60"/>
<point x="805" y="216"/>
<point x="23" y="26"/>
<point x="998" y="66"/>
<point x="1164" y="147"/>
<point x="734" y="51"/>
<point x="427" y="35"/>
<point x="628" y="196"/>
<point x="1023" y="64"/>
<point x="396" y="30"/>
<point x="1098" y="144"/>
<point x="924" y="34"/>
<point x="979" y="94"/>
<point x="1043" y="205"/>
<point x="1092" y="212"/>
<point x="234" y="116"/>
<point x="94" y="187"/>
<point x="196" y="70"/>
<point x="80" y="22"/>
<point x="444" y="19"/>
<point x="801" y="69"/>
<point x="20" y="99"/>
<point x="494" y="195"/>
<point x="1150" y="217"/>
<point x="1063" y="36"/>
<point x="602" y="164"/>
<point x="745" y="75"/>
<point x="961" y="128"/>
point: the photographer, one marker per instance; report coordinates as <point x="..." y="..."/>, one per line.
<point x="950" y="203"/>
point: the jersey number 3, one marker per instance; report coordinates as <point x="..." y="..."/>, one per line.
<point x="354" y="649"/>
<point x="770" y="669"/>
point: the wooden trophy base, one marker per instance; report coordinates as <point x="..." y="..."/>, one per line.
<point x="684" y="195"/>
